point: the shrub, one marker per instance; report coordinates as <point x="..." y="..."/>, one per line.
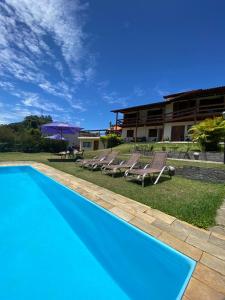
<point x="53" y="146"/>
<point x="111" y="140"/>
<point x="208" y="133"/>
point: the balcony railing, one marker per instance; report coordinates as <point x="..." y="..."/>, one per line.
<point x="189" y="114"/>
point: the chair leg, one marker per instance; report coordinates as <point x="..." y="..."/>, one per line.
<point x="157" y="179"/>
<point x="143" y="182"/>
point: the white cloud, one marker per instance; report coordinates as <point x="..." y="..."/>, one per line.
<point x="103" y="85"/>
<point x="77" y="105"/>
<point x="35" y="34"/>
<point x="33" y="100"/>
<point x="30" y="105"/>
<point x="13" y="113"/>
<point x="114" y="98"/>
<point x="139" y="92"/>
<point x="160" y="91"/>
<point x="59" y="17"/>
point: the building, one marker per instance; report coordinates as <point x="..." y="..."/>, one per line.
<point x="171" y="118"/>
<point x="91" y="139"/>
<point x="88" y="143"/>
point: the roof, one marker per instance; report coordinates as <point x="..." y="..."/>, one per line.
<point x="88" y="138"/>
<point x="173" y="97"/>
<point x="196" y="93"/>
<point x="140" y="107"/>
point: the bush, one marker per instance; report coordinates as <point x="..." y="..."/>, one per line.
<point x="53" y="146"/>
<point x="111" y="140"/>
<point x="26" y="136"/>
<point x="7" y="136"/>
<point x="208" y="133"/>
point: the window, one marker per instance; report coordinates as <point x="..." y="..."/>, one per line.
<point x="87" y="144"/>
<point x="213" y="101"/>
<point x="182" y="105"/>
<point x="152" y="134"/>
<point x="130" y="133"/>
<point x="130" y="116"/>
<point x="155" y="112"/>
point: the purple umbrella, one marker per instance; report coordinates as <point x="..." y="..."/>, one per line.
<point x="56" y="137"/>
<point x="59" y="128"/>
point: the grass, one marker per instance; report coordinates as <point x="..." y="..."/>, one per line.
<point x="195" y="202"/>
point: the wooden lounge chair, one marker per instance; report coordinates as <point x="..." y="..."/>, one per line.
<point x="108" y="160"/>
<point x="156" y="166"/>
<point x="100" y="157"/>
<point x="123" y="166"/>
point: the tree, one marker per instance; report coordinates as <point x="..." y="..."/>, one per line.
<point x="111" y="140"/>
<point x="25" y="135"/>
<point x="208" y="133"/>
<point x="6" y="135"/>
<point x="36" y="121"/>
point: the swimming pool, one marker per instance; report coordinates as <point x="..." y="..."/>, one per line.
<point x="55" y="244"/>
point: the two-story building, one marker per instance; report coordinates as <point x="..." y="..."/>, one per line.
<point x="171" y="118"/>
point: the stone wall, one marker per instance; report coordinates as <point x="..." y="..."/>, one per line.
<point x="205" y="174"/>
<point x="208" y="156"/>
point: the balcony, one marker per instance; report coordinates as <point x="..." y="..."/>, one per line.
<point x="188" y="114"/>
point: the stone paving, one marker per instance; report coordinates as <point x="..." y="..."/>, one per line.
<point x="207" y="248"/>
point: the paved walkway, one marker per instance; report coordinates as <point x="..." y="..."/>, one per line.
<point x="207" y="248"/>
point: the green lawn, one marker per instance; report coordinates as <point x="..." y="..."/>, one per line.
<point x="192" y="201"/>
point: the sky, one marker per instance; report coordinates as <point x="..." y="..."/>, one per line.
<point x="78" y="60"/>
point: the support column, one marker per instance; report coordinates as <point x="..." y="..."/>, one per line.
<point x="196" y="111"/>
<point x="163" y="120"/>
<point x="136" y="127"/>
<point x="116" y="121"/>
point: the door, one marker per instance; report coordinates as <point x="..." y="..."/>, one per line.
<point x="177" y="133"/>
<point x="96" y="145"/>
<point x="160" y="134"/>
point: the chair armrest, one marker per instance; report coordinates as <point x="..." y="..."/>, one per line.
<point x="132" y="166"/>
<point x="146" y="166"/>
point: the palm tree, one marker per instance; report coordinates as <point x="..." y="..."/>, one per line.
<point x="208" y="133"/>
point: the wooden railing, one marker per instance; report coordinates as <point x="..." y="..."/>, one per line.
<point x="189" y="114"/>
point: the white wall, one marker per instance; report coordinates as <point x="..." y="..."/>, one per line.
<point x="82" y="147"/>
<point x="169" y="108"/>
<point x="143" y="114"/>
<point x="168" y="128"/>
<point x="72" y="139"/>
<point x="141" y="131"/>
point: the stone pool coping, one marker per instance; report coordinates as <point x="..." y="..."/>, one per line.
<point x="205" y="247"/>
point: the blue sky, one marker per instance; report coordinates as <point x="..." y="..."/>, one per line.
<point x="77" y="60"/>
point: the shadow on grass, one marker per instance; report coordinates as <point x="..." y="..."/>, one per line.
<point x="148" y="181"/>
<point x="62" y="159"/>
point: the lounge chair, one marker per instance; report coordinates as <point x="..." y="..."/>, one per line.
<point x="156" y="166"/>
<point x="108" y="160"/>
<point x="76" y="154"/>
<point x="63" y="154"/>
<point x="100" y="157"/>
<point x="123" y="166"/>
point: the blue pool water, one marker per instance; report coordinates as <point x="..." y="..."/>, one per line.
<point x="56" y="245"/>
